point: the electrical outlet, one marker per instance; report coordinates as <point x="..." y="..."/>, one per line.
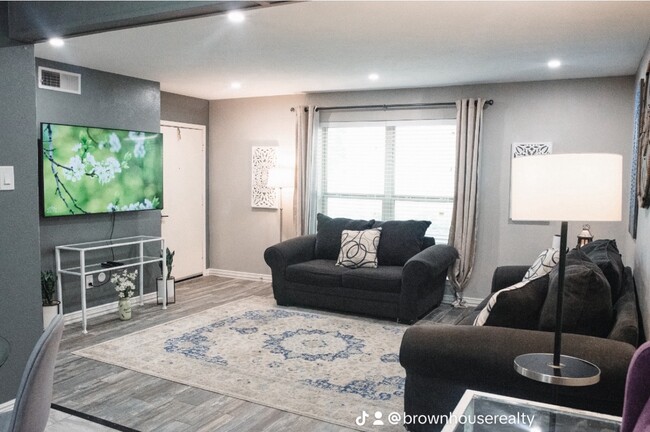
<point x="89" y="281"/>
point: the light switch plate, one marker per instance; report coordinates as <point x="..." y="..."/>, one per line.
<point x="6" y="178"/>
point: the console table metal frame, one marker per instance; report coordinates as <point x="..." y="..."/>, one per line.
<point x="84" y="269"/>
<point x="519" y="405"/>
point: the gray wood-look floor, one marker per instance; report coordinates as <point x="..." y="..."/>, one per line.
<point x="147" y="403"/>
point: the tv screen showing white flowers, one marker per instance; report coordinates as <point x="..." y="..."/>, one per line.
<point x="87" y="170"/>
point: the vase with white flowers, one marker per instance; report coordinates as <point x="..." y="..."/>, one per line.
<point x="125" y="287"/>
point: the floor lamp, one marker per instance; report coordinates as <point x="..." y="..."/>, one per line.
<point x="279" y="178"/>
<point x="565" y="187"/>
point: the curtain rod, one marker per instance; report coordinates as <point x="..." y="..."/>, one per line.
<point x="393" y="106"/>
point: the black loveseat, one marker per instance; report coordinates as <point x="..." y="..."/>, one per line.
<point x="408" y="282"/>
<point x="442" y="361"/>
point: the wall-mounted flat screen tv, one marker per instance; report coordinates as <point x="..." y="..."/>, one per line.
<point x="89" y="170"/>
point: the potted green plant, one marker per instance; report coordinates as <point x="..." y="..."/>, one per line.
<point x="48" y="291"/>
<point x="169" y="288"/>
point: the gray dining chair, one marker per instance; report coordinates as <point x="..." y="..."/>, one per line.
<point x="32" y="407"/>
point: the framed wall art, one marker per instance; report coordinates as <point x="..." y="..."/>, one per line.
<point x="643" y="151"/>
<point x="634" y="202"/>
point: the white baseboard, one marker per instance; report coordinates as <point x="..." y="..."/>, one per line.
<point x="7" y="406"/>
<point x="237" y="275"/>
<point x="75" y="317"/>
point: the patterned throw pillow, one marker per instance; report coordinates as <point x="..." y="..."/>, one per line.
<point x="359" y="248"/>
<point x="543" y="264"/>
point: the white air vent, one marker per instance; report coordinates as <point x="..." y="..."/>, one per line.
<point x="58" y="80"/>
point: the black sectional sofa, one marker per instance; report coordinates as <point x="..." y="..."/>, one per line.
<point x="408" y="282"/>
<point x="442" y="361"/>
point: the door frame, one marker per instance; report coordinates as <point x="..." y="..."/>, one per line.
<point x="202" y="129"/>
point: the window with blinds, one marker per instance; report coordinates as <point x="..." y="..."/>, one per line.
<point x="389" y="170"/>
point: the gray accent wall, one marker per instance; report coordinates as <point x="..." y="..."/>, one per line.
<point x="642" y="252"/>
<point x="184" y="109"/>
<point x="586" y="115"/>
<point x="111" y="101"/>
<point x="21" y="318"/>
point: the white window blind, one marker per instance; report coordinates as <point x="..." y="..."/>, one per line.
<point x="389" y="170"/>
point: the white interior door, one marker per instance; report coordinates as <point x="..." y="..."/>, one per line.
<point x="183" y="214"/>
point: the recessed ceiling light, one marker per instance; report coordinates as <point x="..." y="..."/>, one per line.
<point x="373" y="77"/>
<point x="236" y="16"/>
<point x="57" y="42"/>
<point x="554" y="64"/>
<point x="235" y="85"/>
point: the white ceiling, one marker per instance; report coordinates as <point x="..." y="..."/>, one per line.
<point x="334" y="45"/>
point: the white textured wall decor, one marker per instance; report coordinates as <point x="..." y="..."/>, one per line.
<point x="263" y="159"/>
<point x="531" y="149"/>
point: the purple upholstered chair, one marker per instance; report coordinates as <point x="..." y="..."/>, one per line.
<point x="636" y="407"/>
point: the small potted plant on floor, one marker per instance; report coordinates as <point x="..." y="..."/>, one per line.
<point x="170" y="287"/>
<point x="125" y="287"/>
<point x="50" y="304"/>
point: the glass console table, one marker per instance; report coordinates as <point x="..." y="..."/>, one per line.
<point x="505" y="414"/>
<point x="84" y="267"/>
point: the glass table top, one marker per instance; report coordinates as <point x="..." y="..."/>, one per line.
<point x="482" y="412"/>
<point x="125" y="241"/>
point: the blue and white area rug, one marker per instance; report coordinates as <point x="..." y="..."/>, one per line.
<point x="325" y="366"/>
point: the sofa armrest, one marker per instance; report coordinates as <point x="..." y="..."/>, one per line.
<point x="481" y="358"/>
<point x="506" y="276"/>
<point x="626" y="324"/>
<point x="292" y="251"/>
<point x="435" y="259"/>
<point x="423" y="280"/>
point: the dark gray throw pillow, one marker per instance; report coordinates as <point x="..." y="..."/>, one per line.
<point x="587" y="301"/>
<point x="400" y="241"/>
<point x="328" y="235"/>
<point x="604" y="253"/>
<point x="518" y="306"/>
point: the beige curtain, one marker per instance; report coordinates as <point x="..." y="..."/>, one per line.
<point x="462" y="234"/>
<point x="304" y="195"/>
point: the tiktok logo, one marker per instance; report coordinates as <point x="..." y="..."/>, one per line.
<point x="361" y="420"/>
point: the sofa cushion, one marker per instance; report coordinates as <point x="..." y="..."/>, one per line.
<point x="587" y="302"/>
<point x="428" y="242"/>
<point x="543" y="264"/>
<point x="604" y="253"/>
<point x="359" y="248"/>
<point x="382" y="279"/>
<point x="328" y="236"/>
<point x="400" y="241"/>
<point x="316" y="272"/>
<point x="517" y="306"/>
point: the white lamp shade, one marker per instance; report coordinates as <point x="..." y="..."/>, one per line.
<point x="279" y="178"/>
<point x="567" y="187"/>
